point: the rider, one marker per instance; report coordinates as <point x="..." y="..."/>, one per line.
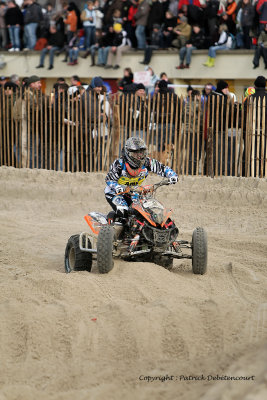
<point x="131" y="170"/>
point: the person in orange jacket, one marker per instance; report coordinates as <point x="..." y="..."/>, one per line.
<point x="71" y="21"/>
<point x="231" y="9"/>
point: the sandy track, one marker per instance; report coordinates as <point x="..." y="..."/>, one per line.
<point x="149" y="321"/>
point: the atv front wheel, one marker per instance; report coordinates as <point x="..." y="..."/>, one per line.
<point x="164" y="261"/>
<point x="105" y="240"/>
<point x="199" y="251"/>
<point x="75" y="259"/>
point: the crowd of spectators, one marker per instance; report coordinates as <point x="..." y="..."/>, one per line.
<point x="108" y="27"/>
<point x="88" y="107"/>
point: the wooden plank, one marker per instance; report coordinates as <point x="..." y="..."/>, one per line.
<point x="204" y="121"/>
<point x="252" y="169"/>
<point x="175" y="148"/>
<point x="257" y="137"/>
<point x="210" y="168"/>
<point x="262" y="138"/>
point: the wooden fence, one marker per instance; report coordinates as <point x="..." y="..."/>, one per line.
<point x="86" y="131"/>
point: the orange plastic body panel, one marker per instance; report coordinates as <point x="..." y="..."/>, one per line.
<point x="145" y="214"/>
<point x="95" y="227"/>
<point x="169" y="213"/>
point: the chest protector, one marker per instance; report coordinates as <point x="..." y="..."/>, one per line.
<point x="132" y="177"/>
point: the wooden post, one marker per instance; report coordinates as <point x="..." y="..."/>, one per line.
<point x="210" y="170"/>
<point x="263" y="133"/>
<point x="24" y="149"/>
<point x="116" y="132"/>
<point x="252" y="169"/>
<point x="257" y="138"/>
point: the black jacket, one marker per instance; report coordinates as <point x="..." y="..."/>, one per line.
<point x="56" y="39"/>
<point x="225" y="109"/>
<point x="156" y="15"/>
<point x="13" y="16"/>
<point x="197" y="40"/>
<point x="33" y="13"/>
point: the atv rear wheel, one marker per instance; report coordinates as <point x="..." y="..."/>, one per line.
<point x="199" y="251"/>
<point x="75" y="259"/>
<point x="105" y="240"/>
<point x="163" y="261"/>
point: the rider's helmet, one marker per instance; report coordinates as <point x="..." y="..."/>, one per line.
<point x="135" y="152"/>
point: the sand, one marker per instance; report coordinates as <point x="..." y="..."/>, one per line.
<point x="89" y="336"/>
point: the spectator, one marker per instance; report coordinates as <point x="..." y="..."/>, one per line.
<point x="230" y="9"/>
<point x="153" y="79"/>
<point x="89" y="101"/>
<point x="141" y="18"/>
<point x="35" y="113"/>
<point x="14" y="21"/>
<point x="94" y="48"/>
<point x="88" y="17"/>
<point x="131" y="24"/>
<point x="211" y="10"/>
<point x="155" y="17"/>
<point x="120" y="44"/>
<point x="3" y="80"/>
<point x="15" y="79"/>
<point x="155" y="44"/>
<point x="206" y="93"/>
<point x="55" y="42"/>
<point x="10" y="87"/>
<point x="61" y="80"/>
<point x="32" y="16"/>
<point x="173" y="7"/>
<point x="104" y="46"/>
<point x="127" y="78"/>
<point x="259" y="98"/>
<point x="98" y="15"/>
<point x="71" y="22"/>
<point x="167" y="34"/>
<point x="224" y="120"/>
<point x="229" y="22"/>
<point x="75" y="80"/>
<point x="126" y="4"/>
<point x="182" y="32"/>
<point x="261" y="9"/>
<point x="189" y="91"/>
<point x="224" y="43"/>
<point x="3" y="32"/>
<point x="24" y="82"/>
<point x="116" y="17"/>
<point x="261" y="49"/>
<point x="73" y="49"/>
<point x="108" y="9"/>
<point x="163" y="76"/>
<point x="193" y="114"/>
<point x="246" y="21"/>
<point x="196" y="41"/>
<point x="165" y="113"/>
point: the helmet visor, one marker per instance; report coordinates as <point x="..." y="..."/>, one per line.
<point x="138" y="155"/>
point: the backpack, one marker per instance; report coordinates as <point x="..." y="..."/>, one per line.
<point x="233" y="45"/>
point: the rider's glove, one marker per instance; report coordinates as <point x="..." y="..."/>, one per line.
<point x="173" y="180"/>
<point x="119" y="189"/>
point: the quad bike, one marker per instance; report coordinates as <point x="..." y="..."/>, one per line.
<point x="148" y="234"/>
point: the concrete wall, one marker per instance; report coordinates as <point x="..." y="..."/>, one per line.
<point x="235" y="66"/>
